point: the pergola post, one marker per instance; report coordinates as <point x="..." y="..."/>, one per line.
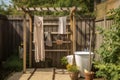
<point x="73" y="26"/>
<point x="24" y="43"/>
<point x="30" y="41"/>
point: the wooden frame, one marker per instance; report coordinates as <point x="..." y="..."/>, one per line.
<point x="40" y="9"/>
<point x="73" y="28"/>
<point x="24" y="43"/>
<point x="52" y="9"/>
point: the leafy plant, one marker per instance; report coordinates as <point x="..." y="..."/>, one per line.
<point x="72" y="68"/>
<point x="13" y="63"/>
<point x="64" y="61"/>
<point x="109" y="51"/>
<point x="69" y="67"/>
<point x="109" y="71"/>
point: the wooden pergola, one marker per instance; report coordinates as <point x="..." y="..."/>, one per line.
<point x="41" y="9"/>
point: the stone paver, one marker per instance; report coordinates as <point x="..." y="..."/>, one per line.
<point x="26" y="75"/>
<point x="42" y="74"/>
<point x="62" y="77"/>
<point x="15" y="76"/>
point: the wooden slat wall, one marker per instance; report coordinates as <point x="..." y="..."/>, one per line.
<point x="56" y="52"/>
<point x="13" y="36"/>
<point x="5" y="37"/>
<point x="84" y="26"/>
<point x="16" y="24"/>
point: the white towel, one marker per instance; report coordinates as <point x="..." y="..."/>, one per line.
<point x="39" y="39"/>
<point x="62" y="25"/>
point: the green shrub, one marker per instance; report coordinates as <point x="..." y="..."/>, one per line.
<point x="109" y="71"/>
<point x="64" y="61"/>
<point x="13" y="63"/>
<point x="109" y="51"/>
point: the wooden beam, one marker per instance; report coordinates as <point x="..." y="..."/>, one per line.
<point x="53" y="24"/>
<point x="74" y="33"/>
<point x="73" y="26"/>
<point x="63" y="41"/>
<point x="41" y="9"/>
<point x="68" y="41"/>
<point x="58" y="33"/>
<point x="56" y="50"/>
<point x="24" y="43"/>
<point x="90" y="59"/>
<point x="30" y="42"/>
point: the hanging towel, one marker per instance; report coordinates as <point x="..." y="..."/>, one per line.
<point x="39" y="39"/>
<point x="48" y="39"/>
<point x="62" y="25"/>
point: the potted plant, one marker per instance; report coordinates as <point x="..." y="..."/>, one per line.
<point x="73" y="71"/>
<point x="89" y="75"/>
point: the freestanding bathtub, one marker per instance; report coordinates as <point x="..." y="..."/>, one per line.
<point x="82" y="60"/>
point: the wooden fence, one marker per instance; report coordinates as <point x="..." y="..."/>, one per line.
<point x="12" y="37"/>
<point x="104" y="23"/>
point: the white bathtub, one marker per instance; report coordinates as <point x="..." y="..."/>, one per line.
<point x="82" y="60"/>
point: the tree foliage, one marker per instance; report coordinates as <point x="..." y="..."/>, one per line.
<point x="2" y="8"/>
<point x="86" y="5"/>
<point x="6" y="9"/>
